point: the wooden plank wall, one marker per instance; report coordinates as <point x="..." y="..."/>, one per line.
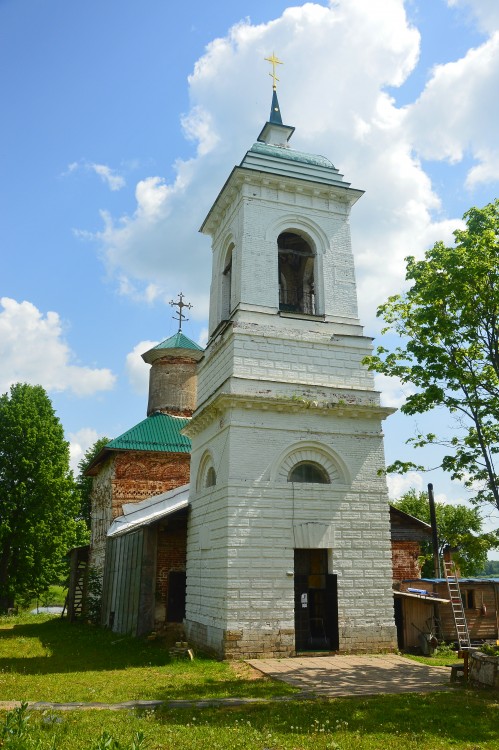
<point x="482" y="623"/>
<point x="147" y="597"/>
<point x="417" y="616"/>
<point x="122" y="582"/>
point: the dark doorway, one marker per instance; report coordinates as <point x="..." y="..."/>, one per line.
<point x="316" y="602"/>
<point x="175" y="610"/>
<point x="399" y="621"/>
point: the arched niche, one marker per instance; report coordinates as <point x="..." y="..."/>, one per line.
<point x="206" y="476"/>
<point x="333" y="468"/>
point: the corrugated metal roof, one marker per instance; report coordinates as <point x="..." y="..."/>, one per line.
<point x="179" y="341"/>
<point x="159" y="432"/>
<point x="136" y="515"/>
<point x="463" y="579"/>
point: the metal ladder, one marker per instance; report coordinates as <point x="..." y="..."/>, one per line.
<point x="463" y="636"/>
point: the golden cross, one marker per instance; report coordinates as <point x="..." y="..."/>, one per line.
<point x="274" y="61"/>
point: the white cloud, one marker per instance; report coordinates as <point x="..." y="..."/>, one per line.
<point x="203" y="337"/>
<point x="108" y="176"/>
<point x="398" y="484"/>
<point x="340" y="109"/>
<point x="486" y="12"/>
<point x="32" y="350"/>
<point x="458" y="111"/>
<point x="393" y="391"/>
<point x="79" y="443"/>
<point x="137" y="369"/>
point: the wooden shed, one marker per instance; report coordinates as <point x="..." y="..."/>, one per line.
<point x="144" y="576"/>
<point x="481" y="606"/>
<point x="415" y="618"/>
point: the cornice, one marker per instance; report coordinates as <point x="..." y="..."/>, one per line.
<point x="351" y="407"/>
<point x="292" y="184"/>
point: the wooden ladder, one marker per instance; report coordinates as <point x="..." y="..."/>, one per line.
<point x="463" y="636"/>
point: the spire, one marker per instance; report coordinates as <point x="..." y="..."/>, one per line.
<point x="274" y="132"/>
<point x="275" y="111"/>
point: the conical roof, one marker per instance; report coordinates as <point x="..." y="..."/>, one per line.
<point x="275" y="111"/>
<point x="176" y="345"/>
<point x="274" y="131"/>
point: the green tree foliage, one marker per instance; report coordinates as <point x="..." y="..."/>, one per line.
<point x="449" y="323"/>
<point x="84" y="483"/>
<point x="458" y="526"/>
<point x="38" y="497"/>
<point x="491" y="568"/>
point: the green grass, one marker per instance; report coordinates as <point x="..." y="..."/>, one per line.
<point x="438" y="660"/>
<point x="461" y="720"/>
<point x="44" y="658"/>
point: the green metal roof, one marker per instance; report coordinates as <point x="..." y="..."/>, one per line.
<point x="291" y="155"/>
<point x="179" y="341"/>
<point x="159" y="432"/>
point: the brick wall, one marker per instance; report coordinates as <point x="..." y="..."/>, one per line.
<point x="171" y="556"/>
<point x="405" y="560"/>
<point x="172" y="386"/>
<point x="141" y="474"/>
<point x="129" y="477"/>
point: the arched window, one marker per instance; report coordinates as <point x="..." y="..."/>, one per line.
<point x="211" y="477"/>
<point x="296" y="274"/>
<point x="308" y="471"/>
<point x="206" y="474"/>
<point x="227" y="284"/>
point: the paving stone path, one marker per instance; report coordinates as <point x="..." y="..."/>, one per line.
<point x="318" y="677"/>
<point x="337" y="676"/>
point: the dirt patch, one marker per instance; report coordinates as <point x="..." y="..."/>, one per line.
<point x="246" y="672"/>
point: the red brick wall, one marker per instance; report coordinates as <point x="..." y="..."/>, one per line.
<point x="171" y="555"/>
<point x="141" y="474"/>
<point x="405" y="560"/>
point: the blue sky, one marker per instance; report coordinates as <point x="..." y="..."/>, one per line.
<point x="121" y="120"/>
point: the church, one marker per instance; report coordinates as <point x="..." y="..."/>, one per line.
<point x="279" y="531"/>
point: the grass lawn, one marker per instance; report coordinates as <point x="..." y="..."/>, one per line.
<point x="461" y="720"/>
<point x="438" y="660"/>
<point x="44" y="658"/>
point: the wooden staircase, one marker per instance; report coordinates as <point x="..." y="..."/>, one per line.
<point x="463" y="636"/>
<point x="78" y="579"/>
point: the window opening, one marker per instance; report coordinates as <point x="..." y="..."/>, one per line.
<point x="468" y="597"/>
<point x="296" y="274"/>
<point x="308" y="472"/>
<point x="227" y="285"/>
<point x="211" y="477"/>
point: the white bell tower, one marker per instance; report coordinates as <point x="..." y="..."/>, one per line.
<point x="289" y="537"/>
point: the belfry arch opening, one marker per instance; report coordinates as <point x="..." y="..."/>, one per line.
<point x="296" y="274"/>
<point x="227" y="284"/>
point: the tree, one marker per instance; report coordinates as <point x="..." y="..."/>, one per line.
<point x="38" y="497"/>
<point x="84" y="483"/>
<point x="491" y="568"/>
<point x="458" y="526"/>
<point x="449" y="321"/>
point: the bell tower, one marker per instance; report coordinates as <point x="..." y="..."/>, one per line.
<point x="289" y="538"/>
